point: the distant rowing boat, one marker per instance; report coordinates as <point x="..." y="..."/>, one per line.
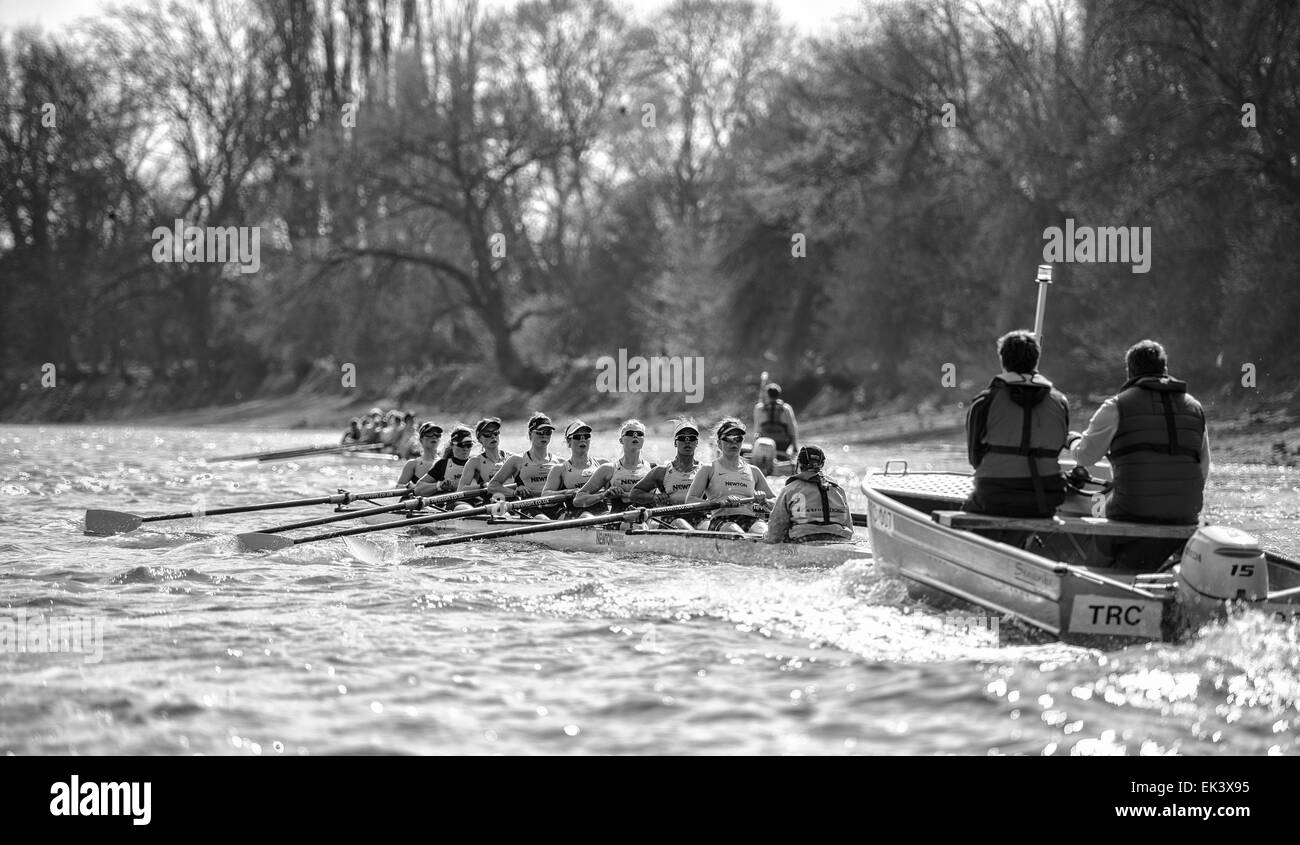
<point x="918" y="529"/>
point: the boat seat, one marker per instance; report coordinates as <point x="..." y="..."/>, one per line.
<point x="1089" y="525"/>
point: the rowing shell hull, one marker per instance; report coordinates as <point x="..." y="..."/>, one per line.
<point x="1073" y="603"/>
<point x="716" y="546"/>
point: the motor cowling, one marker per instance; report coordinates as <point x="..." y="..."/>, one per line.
<point x="763" y="455"/>
<point x="1222" y="563"/>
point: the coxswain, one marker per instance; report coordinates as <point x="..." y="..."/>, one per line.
<point x="810" y="506"/>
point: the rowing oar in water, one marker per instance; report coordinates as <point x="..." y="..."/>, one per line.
<point x="103" y="523"/>
<point x="297" y="453"/>
<point x="415" y="504"/>
<point x="630" y="515"/>
<point x="262" y="542"/>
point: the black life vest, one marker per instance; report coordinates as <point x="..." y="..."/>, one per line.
<point x="1156" y="452"/>
<point x="1025" y="423"/>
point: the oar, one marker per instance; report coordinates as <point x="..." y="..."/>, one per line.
<point x="292" y="453"/>
<point x="418" y="503"/>
<point x="559" y="524"/>
<point x="103" y="522"/>
<point x="262" y="542"/>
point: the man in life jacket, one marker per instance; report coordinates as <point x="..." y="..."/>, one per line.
<point x="1154" y="433"/>
<point x="1015" y="430"/>
<point x="774" y="418"/>
<point x="810" y="506"/>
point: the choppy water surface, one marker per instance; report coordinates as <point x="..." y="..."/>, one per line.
<point x="508" y="649"/>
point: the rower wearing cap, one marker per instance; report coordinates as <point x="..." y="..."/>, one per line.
<point x="530" y="470"/>
<point x="444" y="475"/>
<point x="612" y="484"/>
<point x="430" y="435"/>
<point x="668" y="484"/>
<point x="575" y="472"/>
<point x="483" y="466"/>
<point x="731" y="476"/>
<point x="810" y="506"/>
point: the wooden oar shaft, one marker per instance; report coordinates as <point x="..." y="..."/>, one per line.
<point x="337" y="499"/>
<point x="368" y="447"/>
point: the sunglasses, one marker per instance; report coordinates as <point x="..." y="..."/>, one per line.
<point x="687" y="438"/>
<point x="583" y="436"/>
<point x="732" y="438"/>
<point x="634" y="434"/>
<point x="490" y="432"/>
<point x="431" y="435"/>
<point x="462" y="444"/>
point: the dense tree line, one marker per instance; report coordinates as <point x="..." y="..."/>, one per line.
<point x="443" y="184"/>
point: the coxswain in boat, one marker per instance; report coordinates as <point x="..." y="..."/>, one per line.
<point x="444" y="475"/>
<point x="576" y="471"/>
<point x="1015" y="430"/>
<point x="774" y="418"/>
<point x="529" y="471"/>
<point x="731" y="476"/>
<point x="482" y="467"/>
<point x="1154" y="433"/>
<point x="416" y="468"/>
<point x="669" y="483"/>
<point x="610" y="485"/>
<point x="353" y="435"/>
<point x="810" y="506"/>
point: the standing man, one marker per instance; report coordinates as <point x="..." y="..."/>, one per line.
<point x="774" y="418"/>
<point x="1015" y="430"/>
<point x="810" y="506"/>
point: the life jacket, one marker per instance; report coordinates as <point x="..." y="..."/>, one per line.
<point x="1156" y="452"/>
<point x="731" y="482"/>
<point x="817" y="506"/>
<point x="774" y="426"/>
<point x="1025" y="423"/>
<point x="678" y="483"/>
<point x="531" y="475"/>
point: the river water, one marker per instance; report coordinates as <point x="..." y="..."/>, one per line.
<point x="509" y="649"/>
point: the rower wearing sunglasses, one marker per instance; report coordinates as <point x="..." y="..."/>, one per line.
<point x="530" y="470"/>
<point x="731" y="476"/>
<point x="610" y="485"/>
<point x="574" y="473"/>
<point x="668" y="484"/>
<point x="444" y="475"/>
<point x="415" y="468"/>
<point x="482" y="467"/>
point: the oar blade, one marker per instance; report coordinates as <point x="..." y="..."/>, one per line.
<point x="104" y="523"/>
<point x="257" y="542"/>
<point x="364" y="550"/>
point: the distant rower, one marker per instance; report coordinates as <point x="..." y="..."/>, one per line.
<point x="774" y="418"/>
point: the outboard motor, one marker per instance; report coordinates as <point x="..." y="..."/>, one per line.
<point x="1220" y="564"/>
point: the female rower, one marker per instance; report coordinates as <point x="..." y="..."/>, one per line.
<point x="415" y="468"/>
<point x="731" y="476"/>
<point x="530" y="470"/>
<point x="482" y="467"/>
<point x="668" y="484"/>
<point x="610" y="484"/>
<point x="574" y="473"/>
<point x="444" y="475"/>
<point x="353" y="434"/>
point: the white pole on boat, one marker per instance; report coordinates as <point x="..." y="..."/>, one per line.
<point x="1044" y="279"/>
